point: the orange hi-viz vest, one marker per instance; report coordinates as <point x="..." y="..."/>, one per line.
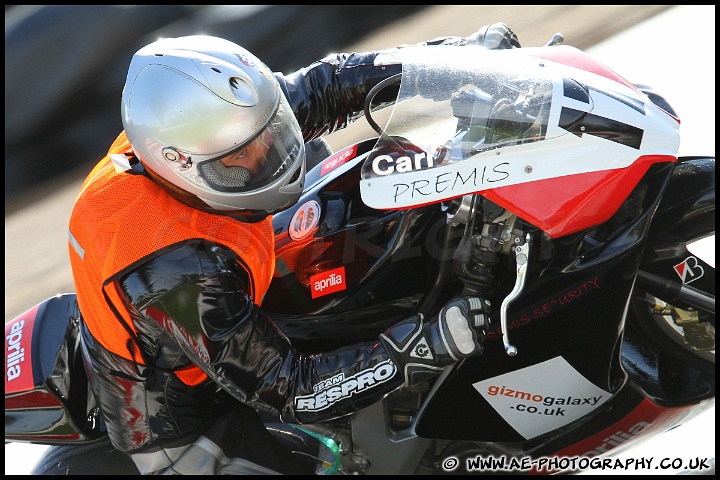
<point x="121" y="220"/>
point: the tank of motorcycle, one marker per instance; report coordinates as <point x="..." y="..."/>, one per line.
<point x="548" y="133"/>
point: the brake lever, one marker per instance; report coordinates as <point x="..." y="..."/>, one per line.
<point x="557" y="39"/>
<point x="521" y="259"/>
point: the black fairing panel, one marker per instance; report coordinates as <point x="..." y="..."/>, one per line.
<point x="573" y="307"/>
<point x="686" y="212"/>
<point x="660" y="375"/>
<point x="559" y="316"/>
<point x="662" y="370"/>
<point x="386" y="260"/>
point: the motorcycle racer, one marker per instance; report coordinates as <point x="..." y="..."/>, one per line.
<point x="171" y="246"/>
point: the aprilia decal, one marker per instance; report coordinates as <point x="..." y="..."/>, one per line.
<point x="689" y="270"/>
<point x="18" y="352"/>
<point x="608" y="443"/>
<point x="345" y="388"/>
<point x="14" y="351"/>
<point x="616" y="439"/>
<point x="643" y="422"/>
<point x="328" y="282"/>
<point x="338" y="159"/>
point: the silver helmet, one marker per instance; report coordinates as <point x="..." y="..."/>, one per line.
<point x="207" y="117"/>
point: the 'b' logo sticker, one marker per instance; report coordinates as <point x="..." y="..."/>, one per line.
<point x="689" y="270"/>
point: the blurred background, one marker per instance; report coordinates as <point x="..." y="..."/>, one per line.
<point x="65" y="65"/>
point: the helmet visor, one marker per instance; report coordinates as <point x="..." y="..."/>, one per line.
<point x="259" y="162"/>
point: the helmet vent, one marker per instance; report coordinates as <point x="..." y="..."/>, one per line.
<point x="243" y="91"/>
<point x="217" y="174"/>
<point x="295" y="176"/>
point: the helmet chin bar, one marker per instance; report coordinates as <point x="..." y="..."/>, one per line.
<point x="217" y="175"/>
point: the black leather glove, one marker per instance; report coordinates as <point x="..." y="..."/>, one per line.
<point x="421" y="350"/>
<point x="495" y="36"/>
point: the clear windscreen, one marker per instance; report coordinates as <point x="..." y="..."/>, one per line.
<point x="454" y="104"/>
<point x="541" y="130"/>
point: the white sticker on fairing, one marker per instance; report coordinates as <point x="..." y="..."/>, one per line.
<point x="304" y="221"/>
<point x="689" y="270"/>
<point x="541" y="398"/>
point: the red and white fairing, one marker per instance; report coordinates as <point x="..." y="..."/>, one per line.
<point x="548" y="133"/>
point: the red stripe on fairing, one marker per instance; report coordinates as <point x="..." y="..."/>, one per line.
<point x="40" y="438"/>
<point x="576" y="58"/>
<point x="32" y="399"/>
<point x="643" y="422"/>
<point x="24" y="380"/>
<point x="563" y="205"/>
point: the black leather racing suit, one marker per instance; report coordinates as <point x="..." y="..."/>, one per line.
<point x="253" y="357"/>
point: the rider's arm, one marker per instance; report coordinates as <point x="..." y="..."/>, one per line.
<point x="330" y="93"/>
<point x="204" y="307"/>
